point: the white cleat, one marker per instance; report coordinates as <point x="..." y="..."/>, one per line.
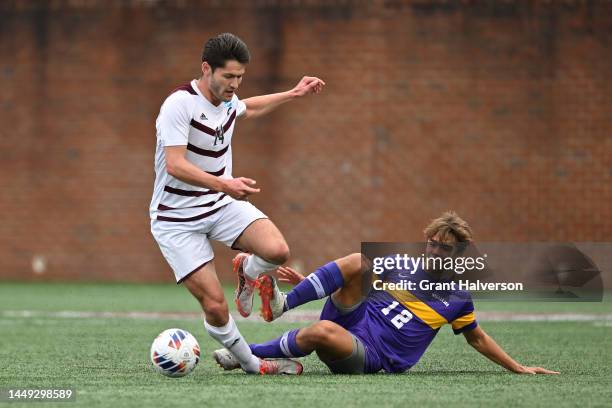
<point x="272" y="299"/>
<point x="246" y="286"/>
<point x="226" y="359"/>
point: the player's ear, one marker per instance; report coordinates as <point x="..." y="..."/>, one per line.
<point x="206" y="68"/>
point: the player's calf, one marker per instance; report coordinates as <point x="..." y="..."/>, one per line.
<point x="319" y="284"/>
<point x="216" y="312"/>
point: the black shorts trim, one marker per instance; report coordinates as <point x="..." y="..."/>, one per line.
<point x="194" y="271"/>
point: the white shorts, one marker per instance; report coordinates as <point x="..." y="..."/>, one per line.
<point x="186" y="245"/>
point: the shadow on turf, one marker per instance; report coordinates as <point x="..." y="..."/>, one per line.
<point x="432" y="373"/>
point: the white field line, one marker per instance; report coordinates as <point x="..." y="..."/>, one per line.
<point x="298" y="316"/>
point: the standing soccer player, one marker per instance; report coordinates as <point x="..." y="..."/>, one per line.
<point x="196" y="199"/>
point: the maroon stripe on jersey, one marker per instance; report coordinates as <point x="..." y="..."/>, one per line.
<point x="162" y="207"/>
<point x="208" y="153"/>
<point x="217" y="173"/>
<point x="202" y="128"/>
<point x="194" y="218"/>
<point x="188" y="193"/>
<point x="185" y="87"/>
<point x="229" y="122"/>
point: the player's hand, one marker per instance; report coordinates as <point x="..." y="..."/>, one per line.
<point x="240" y="188"/>
<point x="286" y="274"/>
<point x="534" y="370"/>
<point x="308" y="85"/>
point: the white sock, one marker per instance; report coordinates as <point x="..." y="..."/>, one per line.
<point x="255" y="266"/>
<point x="231" y="339"/>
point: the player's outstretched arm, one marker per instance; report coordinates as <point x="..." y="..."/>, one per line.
<point x="263" y="104"/>
<point x="486" y="346"/>
<point x="181" y="168"/>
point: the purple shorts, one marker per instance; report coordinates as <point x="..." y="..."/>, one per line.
<point x="356" y="321"/>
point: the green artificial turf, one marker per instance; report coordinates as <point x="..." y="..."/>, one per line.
<point x="125" y="297"/>
<point x="107" y="359"/>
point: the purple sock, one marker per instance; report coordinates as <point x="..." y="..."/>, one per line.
<point x="282" y="347"/>
<point x="323" y="282"/>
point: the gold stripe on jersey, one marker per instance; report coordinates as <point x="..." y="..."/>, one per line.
<point x="419" y="308"/>
<point x="463" y="321"/>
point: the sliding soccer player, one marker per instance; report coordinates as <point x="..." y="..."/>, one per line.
<point x="365" y="332"/>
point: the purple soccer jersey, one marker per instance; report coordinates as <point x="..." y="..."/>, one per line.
<point x="397" y="326"/>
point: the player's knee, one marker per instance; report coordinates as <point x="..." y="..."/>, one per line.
<point x="323" y="332"/>
<point x="278" y="253"/>
<point x="355" y="264"/>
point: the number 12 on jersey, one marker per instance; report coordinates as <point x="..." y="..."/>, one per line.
<point x="399" y="319"/>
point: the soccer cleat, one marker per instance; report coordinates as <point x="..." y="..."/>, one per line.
<point x="280" y="366"/>
<point x="272" y="299"/>
<point x="246" y="286"/>
<point x="225" y="359"/>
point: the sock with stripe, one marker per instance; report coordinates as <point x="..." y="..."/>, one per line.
<point x="255" y="266"/>
<point x="319" y="284"/>
<point x="231" y="339"/>
<point x="282" y="347"/>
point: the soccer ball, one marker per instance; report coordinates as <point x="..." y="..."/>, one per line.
<point x="175" y="353"/>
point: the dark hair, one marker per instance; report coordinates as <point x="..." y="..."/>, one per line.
<point x="224" y="47"/>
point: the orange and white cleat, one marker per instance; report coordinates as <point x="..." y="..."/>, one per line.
<point x="280" y="366"/>
<point x="272" y="299"/>
<point x="246" y="286"/>
<point x="226" y="360"/>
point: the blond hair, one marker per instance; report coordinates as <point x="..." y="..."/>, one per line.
<point x="448" y="225"/>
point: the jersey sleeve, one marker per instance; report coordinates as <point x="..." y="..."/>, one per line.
<point x="174" y="118"/>
<point x="240" y="106"/>
<point x="466" y="319"/>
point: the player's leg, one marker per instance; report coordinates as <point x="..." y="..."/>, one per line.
<point x="327" y="338"/>
<point x="268" y="249"/>
<point x="206" y="288"/>
<point x="243" y="226"/>
<point x="357" y="278"/>
<point x="267" y="246"/>
<point x="338" y="348"/>
<point x="189" y="253"/>
<point x="334" y="339"/>
<point x="347" y="278"/>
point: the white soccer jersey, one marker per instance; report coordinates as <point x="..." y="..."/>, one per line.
<point x="187" y="118"/>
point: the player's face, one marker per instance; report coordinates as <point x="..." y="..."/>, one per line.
<point x="440" y="247"/>
<point x="224" y="81"/>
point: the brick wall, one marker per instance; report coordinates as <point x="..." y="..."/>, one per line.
<point x="501" y="110"/>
